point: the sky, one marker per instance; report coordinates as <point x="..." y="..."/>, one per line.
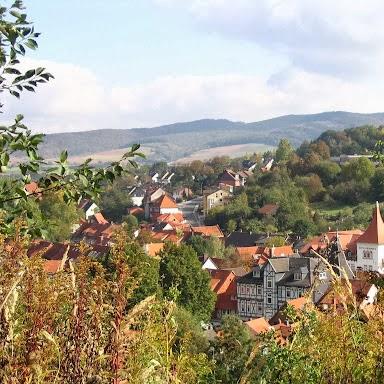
<point x="144" y="63"/>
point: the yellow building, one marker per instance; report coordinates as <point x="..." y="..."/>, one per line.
<point x="215" y="198"/>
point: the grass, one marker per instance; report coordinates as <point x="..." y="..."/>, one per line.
<point x="330" y="208"/>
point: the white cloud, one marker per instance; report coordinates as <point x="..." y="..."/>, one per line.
<point x="77" y="100"/>
<point x="343" y="38"/>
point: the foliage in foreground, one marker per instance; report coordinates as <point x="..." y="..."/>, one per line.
<point x="74" y="326"/>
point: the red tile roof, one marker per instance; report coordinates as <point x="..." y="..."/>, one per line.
<point x="170" y="218"/>
<point x="208" y="231"/>
<point x="99" y="218"/>
<point x="257" y="326"/>
<point x="223" y="283"/>
<point x="348" y="240"/>
<point x="374" y="234"/>
<point x="171" y="236"/>
<point x="165" y="201"/>
<point x="360" y="289"/>
<point x="152" y="249"/>
<point x="299" y="303"/>
<point x="285" y="250"/>
<point x="136" y="211"/>
<point x="52" y="266"/>
<point x="97" y="233"/>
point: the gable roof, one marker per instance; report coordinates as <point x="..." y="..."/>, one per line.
<point x="165" y="201"/>
<point x="99" y="218"/>
<point x="53" y="266"/>
<point x="243" y="239"/>
<point x="257" y="326"/>
<point x="298" y="304"/>
<point x="347" y="239"/>
<point x="101" y="233"/>
<point x="284" y="250"/>
<point x="170" y="218"/>
<point x="85" y="204"/>
<point x="228" y="173"/>
<point x="374" y="234"/>
<point x="208" y="231"/>
<point x="152" y="249"/>
<point x="136" y="211"/>
<point x="223" y="283"/>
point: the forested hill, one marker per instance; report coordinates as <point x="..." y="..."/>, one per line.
<point x="358" y="140"/>
<point x="170" y="142"/>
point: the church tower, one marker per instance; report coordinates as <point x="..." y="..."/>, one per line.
<point x="370" y="245"/>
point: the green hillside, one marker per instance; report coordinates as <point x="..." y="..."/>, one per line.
<point x="171" y="142"/>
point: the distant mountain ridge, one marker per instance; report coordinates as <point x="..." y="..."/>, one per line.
<point x="173" y="141"/>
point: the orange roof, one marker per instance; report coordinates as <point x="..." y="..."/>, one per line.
<point x="208" y="231"/>
<point x="99" y="233"/>
<point x="259" y="325"/>
<point x="165" y="202"/>
<point x="171" y="236"/>
<point x="374" y="234"/>
<point x="220" y="280"/>
<point x="136" y="211"/>
<point x="170" y="218"/>
<point x="247" y="251"/>
<point x="52" y="266"/>
<point x="99" y="218"/>
<point x="299" y="303"/>
<point x="347" y="240"/>
<point x="223" y="283"/>
<point x="153" y="249"/>
<point x="285" y="250"/>
<point x="360" y="289"/>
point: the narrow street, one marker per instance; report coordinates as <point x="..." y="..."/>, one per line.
<point x="190" y="210"/>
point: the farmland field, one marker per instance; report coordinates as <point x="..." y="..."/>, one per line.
<point x="228" y="150"/>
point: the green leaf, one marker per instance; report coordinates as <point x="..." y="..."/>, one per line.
<point x="135" y="147"/>
<point x="4" y="158"/>
<point x="12" y="71"/>
<point x="19" y="118"/>
<point x="63" y="156"/>
<point x="29" y="74"/>
<point x="14" y="93"/>
<point x="32" y="44"/>
<point x="84" y="180"/>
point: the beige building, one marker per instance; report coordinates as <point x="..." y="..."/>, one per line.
<point x="215" y="198"/>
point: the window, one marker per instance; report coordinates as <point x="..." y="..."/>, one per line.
<point x="256" y="272"/>
<point x="367" y="254"/>
<point x="369" y="267"/>
<point x="288" y="292"/>
<point x="269" y="300"/>
<point x="297" y="276"/>
<point x="259" y="307"/>
<point x="269" y="283"/>
<point x="322" y="275"/>
<point x="259" y="290"/>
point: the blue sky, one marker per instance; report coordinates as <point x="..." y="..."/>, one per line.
<point x="139" y="63"/>
<point x="138" y="40"/>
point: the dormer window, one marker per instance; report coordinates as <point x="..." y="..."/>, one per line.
<point x="256" y="272"/>
<point x="297" y="276"/>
